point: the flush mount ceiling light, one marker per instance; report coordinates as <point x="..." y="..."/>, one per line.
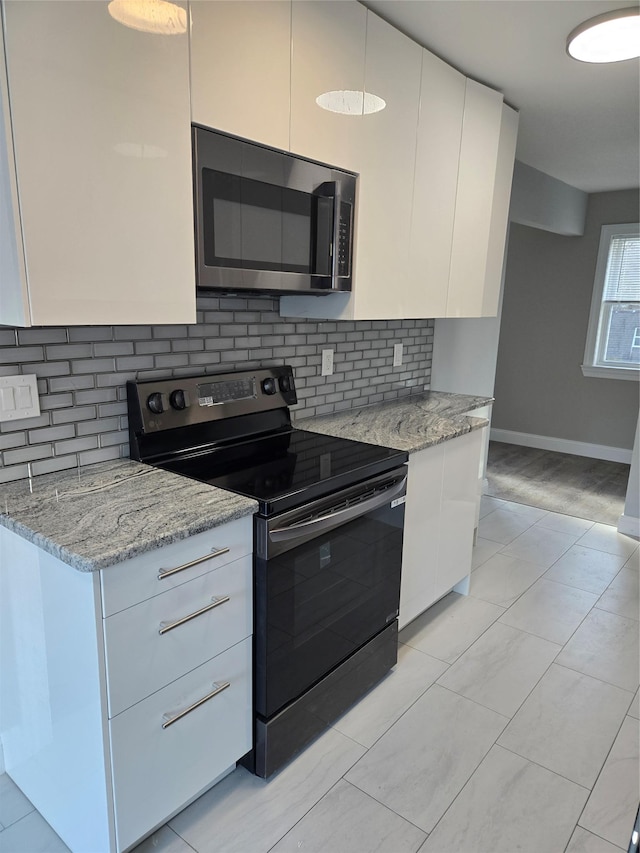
<point x="150" y="16"/>
<point x="350" y="102"/>
<point x="611" y="37"/>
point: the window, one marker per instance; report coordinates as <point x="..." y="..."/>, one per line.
<point x="613" y="336"/>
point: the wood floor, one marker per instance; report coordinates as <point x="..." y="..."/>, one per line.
<point x="574" y="485"/>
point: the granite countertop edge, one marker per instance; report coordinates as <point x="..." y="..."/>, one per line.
<point x="115" y="513"/>
<point x="410" y="423"/>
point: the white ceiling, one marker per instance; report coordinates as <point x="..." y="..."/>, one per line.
<point x="578" y="122"/>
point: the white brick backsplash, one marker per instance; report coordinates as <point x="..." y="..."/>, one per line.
<point x="82" y="372"/>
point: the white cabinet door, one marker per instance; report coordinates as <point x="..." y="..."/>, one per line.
<point x="436" y="175"/>
<point x="500" y="211"/>
<point x="327" y="55"/>
<point x="460" y="497"/>
<point x="100" y="122"/>
<point x="421" y="533"/>
<point x="381" y="268"/>
<point x="241" y="68"/>
<point x="157" y="770"/>
<point x="474" y="199"/>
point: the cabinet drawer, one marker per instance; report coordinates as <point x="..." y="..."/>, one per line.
<point x="157" y="770"/>
<point x="164" y="568"/>
<point x="198" y="620"/>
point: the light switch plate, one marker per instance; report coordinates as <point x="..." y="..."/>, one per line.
<point x="397" y="355"/>
<point x="19" y="397"/>
<point x="327" y="362"/>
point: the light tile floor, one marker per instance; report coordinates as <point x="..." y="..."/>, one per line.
<point x="510" y="722"/>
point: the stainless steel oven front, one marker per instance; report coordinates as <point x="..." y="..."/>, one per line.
<point x="266" y="220"/>
<point x="326" y="597"/>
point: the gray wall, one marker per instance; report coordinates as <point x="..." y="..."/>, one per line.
<point x="544" y="202"/>
<point x="539" y="386"/>
<point x="82" y="372"/>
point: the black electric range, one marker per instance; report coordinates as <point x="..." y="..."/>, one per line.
<point x="327" y="540"/>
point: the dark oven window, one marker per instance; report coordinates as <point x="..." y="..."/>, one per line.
<point x="321" y="601"/>
<point x="250" y="224"/>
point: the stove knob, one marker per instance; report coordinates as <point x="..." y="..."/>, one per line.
<point x="155" y="404"/>
<point x="178" y="399"/>
<point x="269" y="386"/>
<point x="285" y="382"/>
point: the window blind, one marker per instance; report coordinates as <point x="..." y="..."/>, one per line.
<point x="622" y="279"/>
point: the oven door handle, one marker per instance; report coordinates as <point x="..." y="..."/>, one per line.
<point x="334" y="519"/>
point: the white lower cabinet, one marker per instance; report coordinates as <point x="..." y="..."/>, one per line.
<point x="171" y="746"/>
<point x="443" y="491"/>
<point x="109" y="726"/>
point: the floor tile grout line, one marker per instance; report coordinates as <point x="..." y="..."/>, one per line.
<point x="548" y="769"/>
<point x="566" y="666"/>
<point x="171" y="829"/>
<point x="604" y="763"/>
<point x="595" y="834"/>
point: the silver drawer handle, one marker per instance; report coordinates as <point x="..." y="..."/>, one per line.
<point x="169" y="721"/>
<point x="215" y="602"/>
<point x="167" y="572"/>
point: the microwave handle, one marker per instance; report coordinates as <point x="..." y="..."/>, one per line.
<point x="333" y="233"/>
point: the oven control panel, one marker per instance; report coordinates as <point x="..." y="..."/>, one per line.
<point x="156" y="405"/>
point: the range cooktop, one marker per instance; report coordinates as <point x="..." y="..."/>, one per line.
<point x="234" y="431"/>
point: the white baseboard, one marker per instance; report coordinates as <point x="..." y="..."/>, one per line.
<point x="629" y="525"/>
<point x="562" y="445"/>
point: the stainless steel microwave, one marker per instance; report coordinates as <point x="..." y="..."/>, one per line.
<point x="269" y="221"/>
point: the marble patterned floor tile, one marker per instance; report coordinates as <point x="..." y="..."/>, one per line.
<point x="540" y="546"/>
<point x="482" y="550"/>
<point x="31" y="834"/>
<point x="634" y="561"/>
<point x="550" y="610"/>
<point x="611" y="809"/>
<point x="531" y="513"/>
<point x="567" y="724"/>
<point x="420" y="765"/>
<point x="604" y="537"/>
<point x="509" y="804"/>
<point x="634" y="709"/>
<point x="489" y="504"/>
<point x="586" y="568"/>
<point x="380" y="708"/>
<point x="565" y="523"/>
<point x="503" y="579"/>
<point x="243" y="813"/>
<point x="502" y="526"/>
<point x="449" y="627"/>
<point x="586" y="842"/>
<point x="501" y="668"/>
<point x="605" y="646"/>
<point x="13" y="803"/>
<point x="621" y="596"/>
<point x="348" y="820"/>
<point x="163" y="840"/>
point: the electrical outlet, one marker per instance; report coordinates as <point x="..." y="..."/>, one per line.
<point x="327" y="362"/>
<point x="397" y="355"/>
<point x="19" y="397"/>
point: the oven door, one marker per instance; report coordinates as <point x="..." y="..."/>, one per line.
<point x="327" y="580"/>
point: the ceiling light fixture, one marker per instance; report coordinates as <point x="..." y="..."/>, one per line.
<point x="350" y="102"/>
<point x="150" y="16"/>
<point x="611" y="37"/>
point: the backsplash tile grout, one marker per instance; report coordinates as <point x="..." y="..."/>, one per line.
<point x="82" y="371"/>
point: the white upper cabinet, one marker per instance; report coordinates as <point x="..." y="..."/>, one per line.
<point x="436" y="176"/>
<point x="100" y="188"/>
<point x="241" y="68"/>
<point x="385" y="194"/>
<point x="500" y="211"/>
<point x="474" y="200"/>
<point x="327" y="55"/>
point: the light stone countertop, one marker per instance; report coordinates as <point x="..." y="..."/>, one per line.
<point x="103" y="514"/>
<point x="410" y="423"/>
